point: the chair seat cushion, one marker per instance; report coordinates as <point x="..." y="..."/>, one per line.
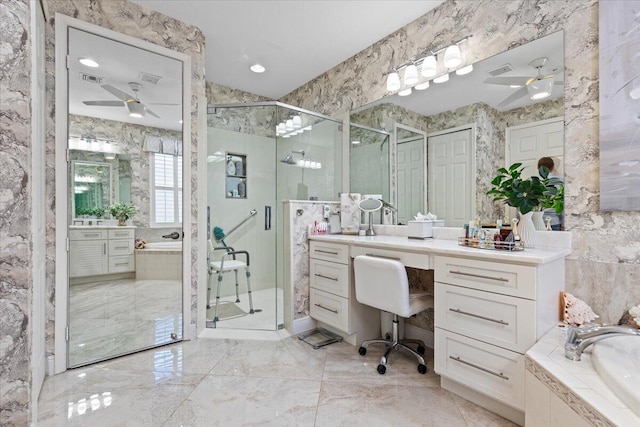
<point x="229" y="265"/>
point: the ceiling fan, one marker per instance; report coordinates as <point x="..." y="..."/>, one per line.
<point x="136" y="108"/>
<point x="537" y="87"/>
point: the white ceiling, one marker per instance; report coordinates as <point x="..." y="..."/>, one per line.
<point x="295" y="40"/>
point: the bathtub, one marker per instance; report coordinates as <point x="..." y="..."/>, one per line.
<point x="617" y="361"/>
<point x="159" y="261"/>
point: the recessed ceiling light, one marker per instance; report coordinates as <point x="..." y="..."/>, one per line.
<point x="257" y="68"/>
<point x="88" y="62"/>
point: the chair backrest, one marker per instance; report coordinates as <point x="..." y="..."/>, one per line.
<point x="382" y="283"/>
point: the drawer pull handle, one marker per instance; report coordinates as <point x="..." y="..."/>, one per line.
<point x="104" y="248"/>
<point x="121" y="234"/>
<point x="90" y="234"/>
<point x="122" y="247"/>
<point x="385" y="257"/>
<point x="121" y="263"/>
<point x="457" y="310"/>
<point x="499" y="375"/>
<point x="328" y="309"/>
<point x="326" y="252"/>
<point x="327" y="277"/>
<point x="462" y="273"/>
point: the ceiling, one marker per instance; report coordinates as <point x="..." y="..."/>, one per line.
<point x="295" y="41"/>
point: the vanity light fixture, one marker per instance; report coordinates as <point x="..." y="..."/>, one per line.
<point x="297" y="122"/>
<point x="109" y="156"/>
<point x="88" y="62"/>
<point x="442" y="79"/>
<point x="355" y="142"/>
<point x="291" y="127"/>
<point x="427" y="64"/>
<point x="257" y="68"/>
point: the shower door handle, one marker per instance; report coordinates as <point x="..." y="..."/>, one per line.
<point x="267" y="217"/>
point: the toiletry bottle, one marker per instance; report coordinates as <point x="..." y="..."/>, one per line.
<point x="483" y="239"/>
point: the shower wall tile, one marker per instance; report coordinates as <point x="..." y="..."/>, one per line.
<point x="142" y="23"/>
<point x="599" y="238"/>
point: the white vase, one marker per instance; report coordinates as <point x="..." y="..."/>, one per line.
<point x="538" y="221"/>
<point x="527" y="230"/>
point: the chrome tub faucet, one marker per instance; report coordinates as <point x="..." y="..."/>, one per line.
<point x="578" y="339"/>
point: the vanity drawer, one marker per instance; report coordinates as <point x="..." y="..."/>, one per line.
<point x="329" y="252"/>
<point x="120" y="264"/>
<point x="502" y="278"/>
<point x="409" y="259"/>
<point x="87" y="234"/>
<point x="120" y="247"/>
<point x="330" y="277"/>
<point x="501" y="320"/>
<point x="330" y="309"/>
<point x="490" y="370"/>
<point x="126" y="233"/>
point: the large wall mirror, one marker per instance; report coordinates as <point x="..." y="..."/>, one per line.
<point x="472" y="125"/>
<point x="124" y="157"/>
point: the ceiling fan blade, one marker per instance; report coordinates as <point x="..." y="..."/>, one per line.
<point x="104" y="103"/>
<point x="151" y="112"/>
<point x="118" y="93"/>
<point x="514" y="96"/>
<point x="507" y="81"/>
<point x="160" y="103"/>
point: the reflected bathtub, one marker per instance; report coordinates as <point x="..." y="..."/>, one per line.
<point x="159" y="261"/>
<point x="617" y="361"/>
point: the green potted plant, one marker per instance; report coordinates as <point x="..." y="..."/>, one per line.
<point x="98" y="211"/>
<point x="122" y="212"/>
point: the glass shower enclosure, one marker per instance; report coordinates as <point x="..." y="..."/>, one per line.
<point x="260" y="155"/>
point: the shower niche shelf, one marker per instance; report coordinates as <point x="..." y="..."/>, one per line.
<point x="236" y="176"/>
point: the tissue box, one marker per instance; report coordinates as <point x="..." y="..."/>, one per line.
<point x="423" y="229"/>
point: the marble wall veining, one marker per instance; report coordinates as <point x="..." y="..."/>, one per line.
<point x="603" y="242"/>
<point x="141" y="23"/>
<point x="15" y="201"/>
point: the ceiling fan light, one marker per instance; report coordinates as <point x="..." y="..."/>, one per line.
<point x="429" y="66"/>
<point x="540" y="88"/>
<point x="136" y="110"/>
<point x="393" y="81"/>
<point x="422" y="86"/>
<point x="411" y="75"/>
<point x="464" y="70"/>
<point x="442" y="79"/>
<point x="452" y="56"/>
<point x="88" y="62"/>
<point x="405" y="92"/>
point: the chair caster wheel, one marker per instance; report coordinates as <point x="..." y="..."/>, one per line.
<point x="362" y="351"/>
<point x="237" y="299"/>
<point x="422" y="369"/>
<point x="421" y="350"/>
<point x="382" y="369"/>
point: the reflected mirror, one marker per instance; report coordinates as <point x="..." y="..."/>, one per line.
<point x="125" y="155"/>
<point x="474" y="124"/>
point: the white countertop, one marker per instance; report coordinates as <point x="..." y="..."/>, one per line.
<point x="580" y="377"/>
<point x="446" y="247"/>
<point x="96" y="227"/>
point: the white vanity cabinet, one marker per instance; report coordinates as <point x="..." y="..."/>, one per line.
<point x="332" y="296"/>
<point x="488" y="314"/>
<point x="96" y="251"/>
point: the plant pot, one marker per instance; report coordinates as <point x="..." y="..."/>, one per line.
<point x="538" y="221"/>
<point x="122" y="221"/>
<point x="527" y="230"/>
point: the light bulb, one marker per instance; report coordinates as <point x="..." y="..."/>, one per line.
<point x="464" y="70"/>
<point x="289" y="125"/>
<point x="297" y="122"/>
<point x="283" y="128"/>
<point x="411" y="75"/>
<point x="429" y="66"/>
<point x="452" y="56"/>
<point x="405" y="92"/>
<point x="393" y="81"/>
<point x="422" y="86"/>
<point x="443" y="78"/>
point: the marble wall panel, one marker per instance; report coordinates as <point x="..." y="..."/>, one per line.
<point x="15" y="202"/>
<point x="139" y="22"/>
<point x="599" y="238"/>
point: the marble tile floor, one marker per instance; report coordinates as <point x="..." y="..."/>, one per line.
<point x="111" y="318"/>
<point x="264" y="300"/>
<point x="229" y="382"/>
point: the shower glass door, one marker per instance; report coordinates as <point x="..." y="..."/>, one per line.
<point x="258" y="156"/>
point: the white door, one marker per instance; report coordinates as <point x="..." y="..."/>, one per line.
<point x="451" y="177"/>
<point x="528" y="143"/>
<point x="410" y="179"/>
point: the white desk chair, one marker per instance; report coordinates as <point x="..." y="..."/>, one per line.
<point x="382" y="283"/>
<point x="227" y="262"/>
